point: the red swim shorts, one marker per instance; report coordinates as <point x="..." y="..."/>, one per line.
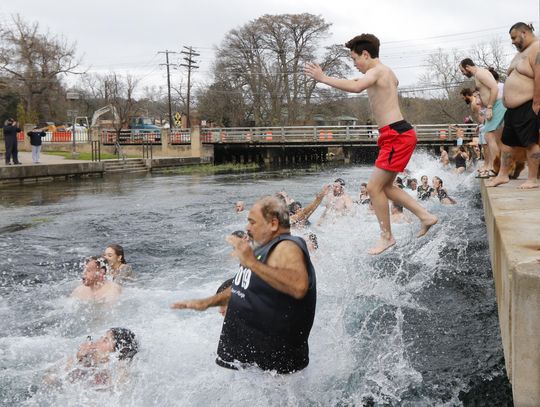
<point x="396" y="145"/>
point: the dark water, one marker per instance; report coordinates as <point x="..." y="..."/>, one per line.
<point x="416" y="326"/>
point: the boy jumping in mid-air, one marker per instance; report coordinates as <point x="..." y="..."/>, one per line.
<point x="397" y="138"/>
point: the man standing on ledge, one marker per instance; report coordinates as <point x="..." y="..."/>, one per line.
<point x="271" y="304"/>
<point x="397" y="138"/>
<point x="521" y="97"/>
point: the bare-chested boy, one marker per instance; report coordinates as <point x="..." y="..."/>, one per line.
<point x="397" y="138"/>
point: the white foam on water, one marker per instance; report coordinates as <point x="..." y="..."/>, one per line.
<point x="357" y="346"/>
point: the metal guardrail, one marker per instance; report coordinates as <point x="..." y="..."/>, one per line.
<point x="324" y="134"/>
<point x="108" y="137"/>
<point x="289" y="134"/>
<point x="81" y="136"/>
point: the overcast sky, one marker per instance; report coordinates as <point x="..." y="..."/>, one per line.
<point x="126" y="36"/>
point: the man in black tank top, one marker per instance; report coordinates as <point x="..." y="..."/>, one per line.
<point x="271" y="304"/>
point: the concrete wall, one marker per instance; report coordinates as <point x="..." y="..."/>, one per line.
<point x="513" y="226"/>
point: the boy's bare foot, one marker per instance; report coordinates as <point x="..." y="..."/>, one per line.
<point x="427" y="223"/>
<point x="529" y="184"/>
<point x="382" y="245"/>
<point x="498" y="180"/>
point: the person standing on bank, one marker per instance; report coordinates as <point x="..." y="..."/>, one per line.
<point x="521" y="97"/>
<point x="491" y="99"/>
<point x="271" y="304"/>
<point x="10" y="139"/>
<point x="397" y="138"/>
<point x="35" y="141"/>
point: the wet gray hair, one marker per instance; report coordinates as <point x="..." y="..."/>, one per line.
<point x="272" y="207"/>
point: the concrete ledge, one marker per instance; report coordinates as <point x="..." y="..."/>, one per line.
<point x="50" y="170"/>
<point x="513" y="226"/>
<point x="176" y="161"/>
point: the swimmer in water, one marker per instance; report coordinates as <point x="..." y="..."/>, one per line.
<point x="95" y="287"/>
<point x="424" y="190"/>
<point x="119" y="270"/>
<point x="441" y="193"/>
<point x="92" y="361"/>
<point x="239" y="206"/>
<point x="339" y="202"/>
<point x="299" y="216"/>
<point x="275" y="282"/>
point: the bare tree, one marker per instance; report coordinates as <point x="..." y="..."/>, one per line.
<point x="263" y="62"/>
<point x="35" y="62"/>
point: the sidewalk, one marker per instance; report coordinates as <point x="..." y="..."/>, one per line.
<point x="25" y="157"/>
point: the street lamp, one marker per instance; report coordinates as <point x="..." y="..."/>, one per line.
<point x="73" y="113"/>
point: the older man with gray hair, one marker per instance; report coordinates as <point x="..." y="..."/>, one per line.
<point x="271" y="303"/>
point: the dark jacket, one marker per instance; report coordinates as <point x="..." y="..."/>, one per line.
<point x="11" y="131"/>
<point x="36" y="136"/>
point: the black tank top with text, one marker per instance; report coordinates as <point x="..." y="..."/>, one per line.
<point x="264" y="326"/>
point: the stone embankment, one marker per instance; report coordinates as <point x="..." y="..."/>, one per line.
<point x="513" y="225"/>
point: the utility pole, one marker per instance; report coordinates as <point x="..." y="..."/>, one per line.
<point x="190" y="65"/>
<point x="167" y="52"/>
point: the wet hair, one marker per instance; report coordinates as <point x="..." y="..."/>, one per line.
<point x="119" y="251"/>
<point x="100" y="261"/>
<point x="363" y="184"/>
<point x="312" y="237"/>
<point x="399" y="181"/>
<point x="294" y="207"/>
<point x="273" y="207"/>
<point x="410" y="181"/>
<point x="239" y="233"/>
<point x="365" y="42"/>
<point x="280" y="196"/>
<point x="341" y="181"/>
<point x="466" y="62"/>
<point x="125" y="343"/>
<point x="399" y="208"/>
<point x="440" y="180"/>
<point x="521" y="26"/>
<point x="494" y="73"/>
<point x="466" y="92"/>
<point x="224" y="285"/>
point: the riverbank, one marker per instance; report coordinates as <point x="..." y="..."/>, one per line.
<point x="53" y="167"/>
<point x="512" y="221"/>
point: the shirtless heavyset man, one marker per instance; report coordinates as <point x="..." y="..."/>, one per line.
<point x="522" y="99"/>
<point x="488" y="90"/>
<point x="397" y="138"/>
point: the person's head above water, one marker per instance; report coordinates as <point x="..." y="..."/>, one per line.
<point x="239" y="206"/>
<point x="119" y="340"/>
<point x="94" y="271"/>
<point x="267" y="218"/>
<point x="114" y="254"/>
<point x="125" y="343"/>
<point x="338" y="186"/>
<point x="226" y="284"/>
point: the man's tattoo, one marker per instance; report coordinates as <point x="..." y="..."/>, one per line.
<point x="537" y="60"/>
<point x="535" y="156"/>
<point x="506" y="159"/>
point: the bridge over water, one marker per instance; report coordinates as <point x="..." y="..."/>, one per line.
<point x="290" y="144"/>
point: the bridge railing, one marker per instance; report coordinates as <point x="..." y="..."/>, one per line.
<point x="317" y="134"/>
